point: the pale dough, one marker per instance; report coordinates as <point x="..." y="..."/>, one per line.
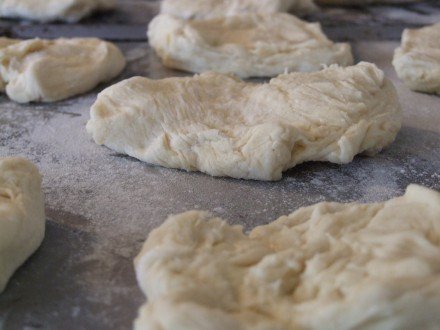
<point x="203" y="9"/>
<point x="222" y="126"/>
<point x="52" y="10"/>
<point x="417" y="60"/>
<point x="22" y="219"/>
<point x="253" y="45"/>
<point x="327" y="266"/>
<point x="53" y="70"/>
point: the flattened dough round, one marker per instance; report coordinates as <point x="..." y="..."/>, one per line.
<point x="205" y="9"/>
<point x="253" y="45"/>
<point x="52" y="10"/>
<point x="327" y="266"/>
<point x="52" y="70"/>
<point x="417" y="60"/>
<point x="22" y="219"/>
<point x="222" y="126"/>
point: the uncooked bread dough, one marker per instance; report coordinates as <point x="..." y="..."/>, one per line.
<point x="254" y="45"/>
<point x="222" y="126"/>
<point x="53" y="70"/>
<point x="52" y="10"/>
<point x="417" y="60"/>
<point x="327" y="266"/>
<point x="203" y="9"/>
<point x="22" y="219"/>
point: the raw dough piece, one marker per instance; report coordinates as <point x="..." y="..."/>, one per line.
<point x="53" y="70"/>
<point x="205" y="9"/>
<point x="52" y="10"/>
<point x="327" y="266"/>
<point x="22" y="219"/>
<point x="417" y="61"/>
<point x="254" y="45"/>
<point x="222" y="126"/>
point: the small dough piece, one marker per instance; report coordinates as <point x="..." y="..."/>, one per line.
<point x="222" y="126"/>
<point x="52" y="10"/>
<point x="206" y="9"/>
<point x="22" y="219"/>
<point x="253" y="45"/>
<point x="53" y="70"/>
<point x="327" y="266"/>
<point x="417" y="60"/>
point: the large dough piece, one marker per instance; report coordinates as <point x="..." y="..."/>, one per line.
<point x="417" y="60"/>
<point x="222" y="126"/>
<point x="22" y="219"/>
<point x="53" y="70"/>
<point x="327" y="266"/>
<point x="52" y="10"/>
<point x="253" y="45"/>
<point x="203" y="9"/>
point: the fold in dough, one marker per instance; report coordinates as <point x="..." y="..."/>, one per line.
<point x="53" y="70"/>
<point x="417" y="60"/>
<point x="254" y="45"/>
<point x="52" y="10"/>
<point x="22" y="219"/>
<point x="327" y="266"/>
<point x="222" y="126"/>
<point x="203" y="9"/>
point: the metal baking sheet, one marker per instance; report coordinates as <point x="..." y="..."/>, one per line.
<point x="101" y="205"/>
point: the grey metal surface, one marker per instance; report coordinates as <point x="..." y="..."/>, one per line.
<point x="101" y="205"/>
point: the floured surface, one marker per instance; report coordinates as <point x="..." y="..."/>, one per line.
<point x="252" y="45"/>
<point x="417" y="60"/>
<point x="22" y="219"/>
<point x="190" y="9"/>
<point x="330" y="265"/>
<point x="39" y="70"/>
<point x="52" y="10"/>
<point x="222" y="126"/>
<point x="101" y="205"/>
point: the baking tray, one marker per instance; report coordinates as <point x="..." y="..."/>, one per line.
<point x="101" y="205"/>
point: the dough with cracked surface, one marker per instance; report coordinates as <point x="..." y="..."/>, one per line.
<point x="205" y="9"/>
<point x="40" y="70"/>
<point x="52" y="10"/>
<point x="327" y="266"/>
<point x="22" y="219"/>
<point x="253" y="45"/>
<point x="417" y="60"/>
<point x="222" y="126"/>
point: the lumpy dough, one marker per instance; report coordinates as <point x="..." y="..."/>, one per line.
<point x="253" y="45"/>
<point x="327" y="266"/>
<point x="52" y="10"/>
<point x="22" y="219"/>
<point x="190" y="9"/>
<point x="52" y="70"/>
<point x="222" y="126"/>
<point x="417" y="60"/>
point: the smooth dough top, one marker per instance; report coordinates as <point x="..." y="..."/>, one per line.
<point x="22" y="219"/>
<point x="327" y="266"/>
<point x="252" y="45"/>
<point x="52" y="10"/>
<point x="203" y="9"/>
<point x="52" y="70"/>
<point x="223" y="126"/>
<point x="417" y="60"/>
